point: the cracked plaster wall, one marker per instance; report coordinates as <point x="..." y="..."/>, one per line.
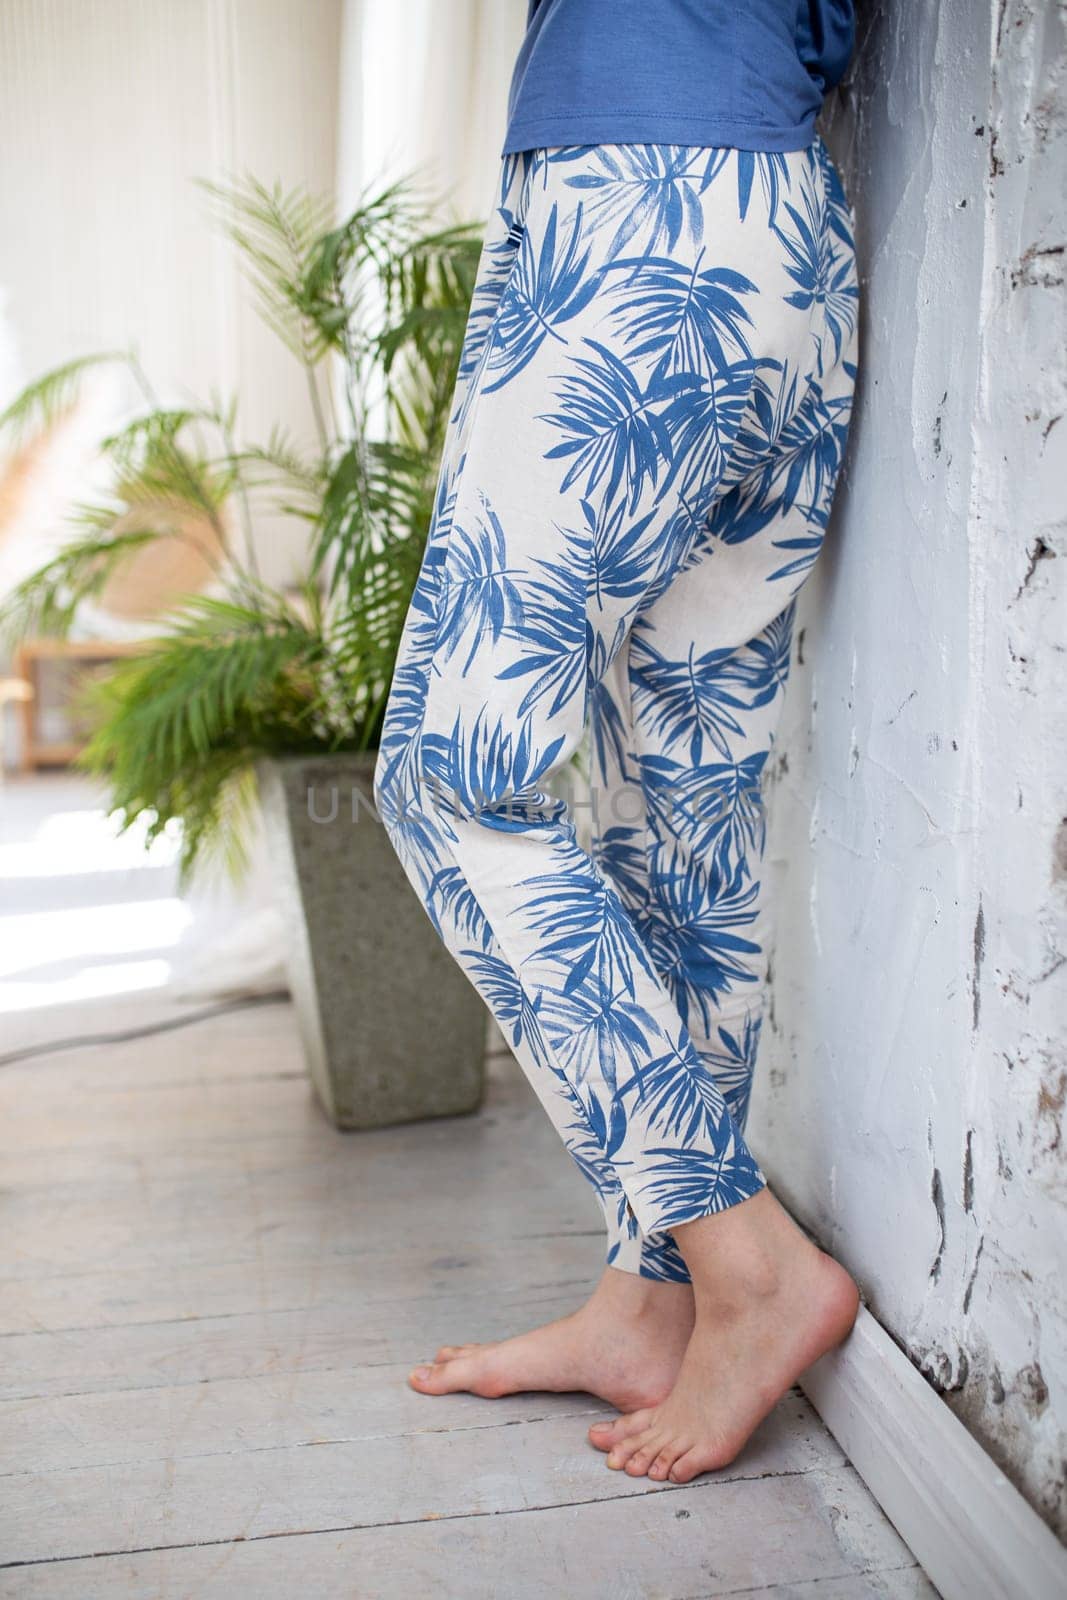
<point x="913" y="1073"/>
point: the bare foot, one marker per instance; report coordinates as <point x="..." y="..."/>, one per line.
<point x="625" y="1345"/>
<point x="768" y="1304"/>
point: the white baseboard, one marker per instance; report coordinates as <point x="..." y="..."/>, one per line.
<point x="972" y="1531"/>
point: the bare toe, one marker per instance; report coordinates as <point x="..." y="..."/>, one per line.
<point x="648" y="1447"/>
<point x="427" y="1380"/>
<point x="689" y="1466"/>
<point x="661" y="1467"/>
<point x="449" y="1352"/>
<point x="604" y="1434"/>
<point x="444" y="1377"/>
<point x="629" y="1437"/>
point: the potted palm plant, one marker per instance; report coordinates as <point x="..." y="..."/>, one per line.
<point x="251" y="694"/>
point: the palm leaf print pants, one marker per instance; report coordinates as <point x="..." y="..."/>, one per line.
<point x="651" y="410"/>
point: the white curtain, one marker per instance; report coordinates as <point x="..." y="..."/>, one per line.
<point x="424" y="85"/>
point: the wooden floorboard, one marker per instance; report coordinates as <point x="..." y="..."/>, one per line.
<point x="817" y="1533"/>
<point x="388" y="1477"/>
<point x="209" y="1300"/>
<point x="243" y="1279"/>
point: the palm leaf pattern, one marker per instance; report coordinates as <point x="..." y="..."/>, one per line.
<point x="698" y="700"/>
<point x="498" y="262"/>
<point x="449" y="894"/>
<point x="715" y="810"/>
<point x="818" y="242"/>
<point x="478" y="588"/>
<point x="420" y="631"/>
<point x="657" y="193"/>
<point x="616" y="428"/>
<point x="590" y="1147"/>
<point x="594" y="1030"/>
<point x="732" y="1058"/>
<point x="587" y="933"/>
<point x="689" y="318"/>
<point x="769" y="166"/>
<point x="609" y="729"/>
<point x="515" y="1010"/>
<point x="661" y="1259"/>
<point x="619" y="853"/>
<point x="770" y="408"/>
<point x="763" y="665"/>
<point x="490" y="775"/>
<point x="681" y="1104"/>
<point x="696" y="935"/>
<point x="793" y="487"/>
<point x="549" y="628"/>
<point x="685" y="1184"/>
<point x="548" y="285"/>
<point x="651" y="413"/>
<point x="621" y="550"/>
<point x="772" y="169"/>
<point x="714" y="419"/>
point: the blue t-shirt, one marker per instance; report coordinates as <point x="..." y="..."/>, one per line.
<point x="706" y="72"/>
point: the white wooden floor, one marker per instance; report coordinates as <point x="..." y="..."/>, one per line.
<point x="209" y="1301"/>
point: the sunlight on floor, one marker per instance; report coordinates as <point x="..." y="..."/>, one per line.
<point x="67" y="843"/>
<point x="85" y="913"/>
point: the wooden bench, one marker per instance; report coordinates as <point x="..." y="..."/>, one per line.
<point x="29" y="656"/>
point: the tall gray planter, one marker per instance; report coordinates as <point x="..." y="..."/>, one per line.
<point x="392" y="1028"/>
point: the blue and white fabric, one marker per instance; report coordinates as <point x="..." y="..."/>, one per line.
<point x="651" y="412"/>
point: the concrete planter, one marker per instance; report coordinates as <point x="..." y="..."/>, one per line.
<point x="392" y="1028"/>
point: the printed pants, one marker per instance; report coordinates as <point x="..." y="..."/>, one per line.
<point x="651" y="411"/>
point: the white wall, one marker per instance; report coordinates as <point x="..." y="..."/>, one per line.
<point x="108" y="111"/>
<point x="913" y="1077"/>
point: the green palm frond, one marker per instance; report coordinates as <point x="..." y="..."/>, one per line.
<point x="431" y="283"/>
<point x="45" y="602"/>
<point x="379" y="301"/>
<point x="277" y="232"/>
<point x="377" y="499"/>
<point x="419" y="348"/>
<point x="354" y="263"/>
<point x="177" y="724"/>
<point x="160" y="461"/>
<point x="42" y="402"/>
<point x="293" y="484"/>
<point x="222" y="664"/>
<point x="281" y="459"/>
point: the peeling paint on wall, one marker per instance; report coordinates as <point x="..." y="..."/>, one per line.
<point x="913" y="1083"/>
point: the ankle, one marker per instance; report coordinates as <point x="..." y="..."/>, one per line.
<point x="746" y="1254"/>
<point x="627" y="1294"/>
<point x="730" y="1291"/>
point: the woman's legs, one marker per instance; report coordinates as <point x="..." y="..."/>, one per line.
<point x="767" y="1302"/>
<point x="628" y="425"/>
<point x="627" y="1343"/>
